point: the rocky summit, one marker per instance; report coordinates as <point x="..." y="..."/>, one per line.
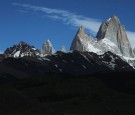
<point x="96" y="78"/>
<point x="81" y="41"/>
<point x="47" y="48"/>
<point x="110" y="37"/>
<point x="113" y="31"/>
<point x="20" y="50"/>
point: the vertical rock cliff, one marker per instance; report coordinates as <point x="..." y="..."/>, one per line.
<point x="83" y="42"/>
<point x="47" y="48"/>
<point x="110" y="37"/>
<point x="113" y="31"/>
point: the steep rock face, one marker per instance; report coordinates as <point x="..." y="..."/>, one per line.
<point x="113" y="31"/>
<point x="47" y="48"/>
<point x="77" y="42"/>
<point x="83" y="42"/>
<point x="134" y="51"/>
<point x="110" y="37"/>
<point x="21" y="49"/>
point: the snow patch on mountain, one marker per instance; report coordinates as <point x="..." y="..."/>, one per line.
<point x="91" y="48"/>
<point x="20" y="50"/>
<point x="129" y="60"/>
<point x="17" y="54"/>
<point x="110" y="37"/>
<point x="108" y="42"/>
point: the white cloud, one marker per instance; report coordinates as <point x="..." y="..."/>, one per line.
<point x="22" y="11"/>
<point x="66" y="16"/>
<point x="73" y="19"/>
<point x="89" y="24"/>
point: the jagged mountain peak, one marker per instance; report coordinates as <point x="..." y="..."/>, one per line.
<point x="81" y="40"/>
<point x="81" y="30"/>
<point x="47" y="48"/>
<point x="22" y="42"/>
<point x="110" y="37"/>
<point x="113" y="18"/>
<point x="113" y="31"/>
<point x="48" y="42"/>
<point x="21" y="49"/>
<point x="113" y="24"/>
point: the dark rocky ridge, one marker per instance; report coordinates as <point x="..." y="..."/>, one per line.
<point x="110" y="37"/>
<point x="74" y="83"/>
<point x="21" y="49"/>
<point x="75" y="63"/>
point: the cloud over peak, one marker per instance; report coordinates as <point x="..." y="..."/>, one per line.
<point x="73" y="19"/>
<point x="66" y="17"/>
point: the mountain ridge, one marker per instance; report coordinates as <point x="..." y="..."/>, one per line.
<point x="111" y="37"/>
<point x="83" y="81"/>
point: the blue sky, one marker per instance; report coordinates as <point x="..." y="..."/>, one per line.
<point x="36" y="21"/>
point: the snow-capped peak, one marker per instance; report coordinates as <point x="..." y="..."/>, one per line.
<point x="110" y="37"/>
<point x="48" y="42"/>
<point x="47" y="48"/>
<point x="21" y="49"/>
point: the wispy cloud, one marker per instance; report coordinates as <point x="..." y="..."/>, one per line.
<point x="72" y="19"/>
<point x="22" y="11"/>
<point x="66" y="17"/>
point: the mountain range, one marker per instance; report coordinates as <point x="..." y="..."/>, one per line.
<point x="111" y="37"/>
<point x="95" y="77"/>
